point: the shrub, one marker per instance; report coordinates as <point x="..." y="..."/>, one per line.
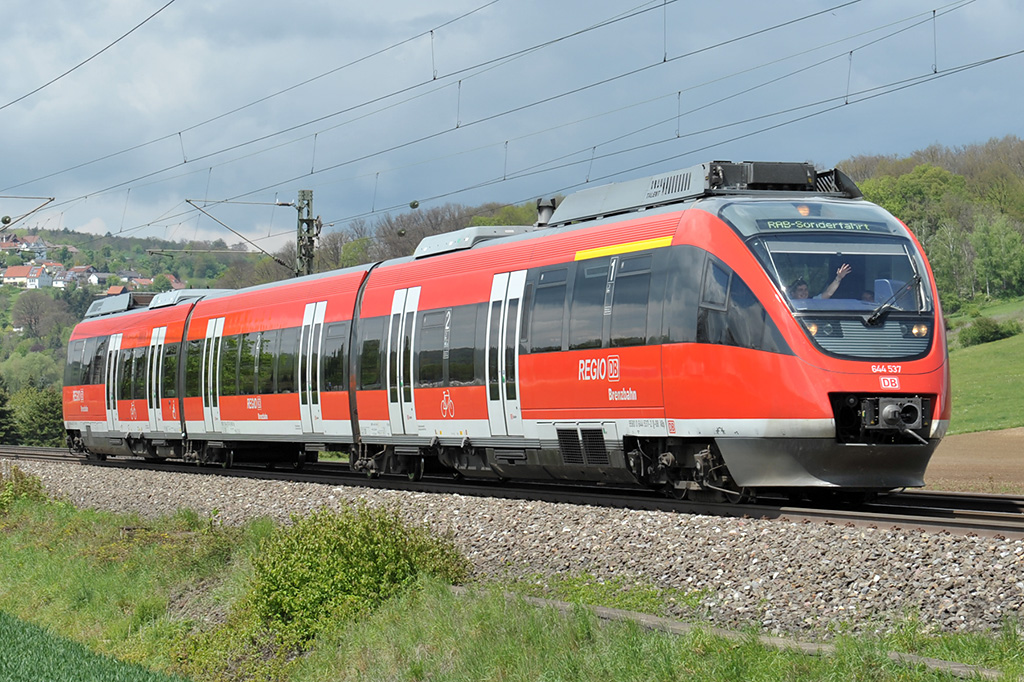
<point x="972" y="310"/>
<point x="985" y="330"/>
<point x="337" y="565"/>
<point x="15" y="485"/>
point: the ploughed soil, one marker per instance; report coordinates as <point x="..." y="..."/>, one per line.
<point x="985" y="462"/>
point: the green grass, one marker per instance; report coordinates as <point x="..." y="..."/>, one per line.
<point x="429" y="634"/>
<point x="184" y="595"/>
<point x="31" y="653"/>
<point x="987" y="382"/>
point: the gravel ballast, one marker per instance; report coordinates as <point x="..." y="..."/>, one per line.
<point x="779" y="576"/>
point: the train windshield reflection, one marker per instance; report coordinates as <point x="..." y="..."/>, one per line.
<point x="828" y="255"/>
<point x="838" y="272"/>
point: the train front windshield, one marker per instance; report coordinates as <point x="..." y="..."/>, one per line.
<point x="834" y="256"/>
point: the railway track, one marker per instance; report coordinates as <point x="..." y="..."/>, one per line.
<point x="931" y="511"/>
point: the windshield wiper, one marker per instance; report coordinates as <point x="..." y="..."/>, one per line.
<point x="880" y="312"/>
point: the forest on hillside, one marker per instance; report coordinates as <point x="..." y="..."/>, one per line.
<point x="965" y="204"/>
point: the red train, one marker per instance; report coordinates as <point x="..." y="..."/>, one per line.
<point x="728" y="328"/>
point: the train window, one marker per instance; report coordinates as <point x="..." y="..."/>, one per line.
<point x="124" y="378"/>
<point x="716" y="285"/>
<point x="73" y="372"/>
<point x="629" y="302"/>
<point x="462" y="347"/>
<point x="396" y="321"/>
<point x="548" y="312"/>
<point x="494" y="331"/>
<point x="745" y="322"/>
<point x="265" y="362"/>
<point x="169" y="378"/>
<point x="287" y="352"/>
<point x="371" y="333"/>
<point x="511" y="317"/>
<point x="524" y="327"/>
<point x="682" y="294"/>
<point x="334" y="368"/>
<point x="586" y="314"/>
<point x="139" y="377"/>
<point x="124" y="374"/>
<point x="433" y="343"/>
<point x="98" y="363"/>
<point x="193" y="368"/>
<point x="248" y="346"/>
<point x="229" y="365"/>
<point x="407" y="374"/>
<point x="748" y="322"/>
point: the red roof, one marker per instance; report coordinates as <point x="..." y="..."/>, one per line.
<point x="18" y="271"/>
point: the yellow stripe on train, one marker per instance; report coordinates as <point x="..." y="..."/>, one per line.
<point x="628" y="247"/>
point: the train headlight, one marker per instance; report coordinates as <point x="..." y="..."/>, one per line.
<point x="812" y="327"/>
<point x="919" y="330"/>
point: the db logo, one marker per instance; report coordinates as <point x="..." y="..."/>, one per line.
<point x="890" y="383"/>
<point x="599" y="369"/>
<point x="613" y="368"/>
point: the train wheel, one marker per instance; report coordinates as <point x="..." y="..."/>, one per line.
<point x="415" y="468"/>
<point x="677" y="493"/>
<point x="739" y="496"/>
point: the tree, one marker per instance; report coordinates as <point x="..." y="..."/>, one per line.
<point x="497" y="214"/>
<point x="30" y="309"/>
<point x="40" y="414"/>
<point x="1000" y="255"/>
<point x="952" y="261"/>
<point x="917" y="197"/>
<point x="161" y="283"/>
<point x="33" y="369"/>
<point x="8" y="420"/>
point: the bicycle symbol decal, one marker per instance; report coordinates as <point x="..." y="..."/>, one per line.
<point x="447" y="406"/>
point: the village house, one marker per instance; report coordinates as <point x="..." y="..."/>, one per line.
<point x="100" y="278"/>
<point x="35" y="246"/>
<point x="28" y="276"/>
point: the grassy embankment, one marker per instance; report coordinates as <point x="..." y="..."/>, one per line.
<point x="357" y="595"/>
<point x="988" y="378"/>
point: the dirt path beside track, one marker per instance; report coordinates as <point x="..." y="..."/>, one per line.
<point x="987" y="462"/>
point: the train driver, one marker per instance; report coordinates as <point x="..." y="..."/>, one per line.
<point x="800" y="290"/>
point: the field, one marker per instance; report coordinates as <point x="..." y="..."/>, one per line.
<point x="984" y="451"/>
<point x="33" y="653"/>
<point x="985" y="462"/>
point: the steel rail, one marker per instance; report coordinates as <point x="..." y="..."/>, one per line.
<point x="930" y="511"/>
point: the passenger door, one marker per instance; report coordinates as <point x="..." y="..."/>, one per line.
<point x="308" y="371"/>
<point x="401" y="343"/>
<point x="504" y="318"/>
<point x="154" y="377"/>
<point x="210" y="379"/>
<point x="110" y="381"/>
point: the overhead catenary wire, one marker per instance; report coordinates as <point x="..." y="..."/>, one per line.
<point x="834" y="103"/>
<point x="83" y="63"/>
<point x="507" y="112"/>
<point x="337" y="69"/>
<point x="510" y="175"/>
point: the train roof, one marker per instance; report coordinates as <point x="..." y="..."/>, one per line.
<point x="135" y="300"/>
<point x="715" y="178"/>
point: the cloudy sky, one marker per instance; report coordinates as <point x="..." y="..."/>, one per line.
<point x="123" y="110"/>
